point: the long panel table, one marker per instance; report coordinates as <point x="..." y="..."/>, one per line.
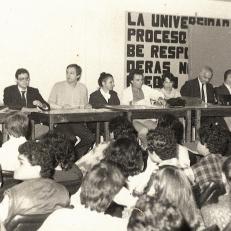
<point x="74" y="116"/>
<point x="148" y="112"/>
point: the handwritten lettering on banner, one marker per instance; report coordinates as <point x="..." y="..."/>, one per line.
<point x="157" y="43"/>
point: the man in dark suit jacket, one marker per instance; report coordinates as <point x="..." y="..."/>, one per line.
<point x="21" y="95"/>
<point x="225" y="88"/>
<point x="200" y="87"/>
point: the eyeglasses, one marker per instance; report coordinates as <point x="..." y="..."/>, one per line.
<point x="26" y="79"/>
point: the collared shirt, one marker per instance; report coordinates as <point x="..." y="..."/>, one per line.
<point x="205" y="90"/>
<point x="228" y="87"/>
<point x="106" y="95"/>
<point x="209" y="168"/>
<point x="20" y="90"/>
<point x="63" y="94"/>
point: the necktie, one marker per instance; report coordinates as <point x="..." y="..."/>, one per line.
<point x="202" y="92"/>
<point x="23" y="98"/>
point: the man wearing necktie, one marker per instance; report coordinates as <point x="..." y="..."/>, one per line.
<point x="22" y="95"/>
<point x="200" y="87"/>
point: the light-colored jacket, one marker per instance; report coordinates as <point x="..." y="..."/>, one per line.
<point x="149" y="93"/>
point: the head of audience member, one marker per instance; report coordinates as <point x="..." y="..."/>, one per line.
<point x="173" y="123"/>
<point x="169" y="81"/>
<point x="122" y="127"/>
<point x="100" y="186"/>
<point x="172" y="184"/>
<point x="61" y="148"/>
<point x="35" y="161"/>
<point x="226" y="174"/>
<point x="106" y="81"/>
<point x="73" y="73"/>
<point x="17" y="124"/>
<point x="213" y="139"/>
<point x="227" y="77"/>
<point x="22" y="77"/>
<point x="153" y="214"/>
<point x="136" y="79"/>
<point x="162" y="144"/>
<point x="127" y="155"/>
<point x="205" y="74"/>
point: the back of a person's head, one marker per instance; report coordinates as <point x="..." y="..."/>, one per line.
<point x="216" y="138"/>
<point x="171" y="183"/>
<point x="126" y="154"/>
<point x="172" y="122"/>
<point x="61" y="149"/>
<point x="151" y="214"/>
<point x="17" y="124"/>
<point x="122" y="127"/>
<point x="162" y="141"/>
<point x="100" y="186"/>
<point x="38" y="154"/>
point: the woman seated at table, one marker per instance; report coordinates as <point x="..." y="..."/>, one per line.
<point x="105" y="94"/>
<point x="169" y="82"/>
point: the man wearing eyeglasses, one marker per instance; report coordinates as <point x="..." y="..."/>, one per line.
<point x="21" y="95"/>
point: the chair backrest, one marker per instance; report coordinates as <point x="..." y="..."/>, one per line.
<point x="211" y="193"/>
<point x="26" y="222"/>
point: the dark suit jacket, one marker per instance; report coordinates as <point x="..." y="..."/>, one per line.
<point x="12" y="97"/>
<point x="222" y="90"/>
<point x="191" y="88"/>
<point x="97" y="100"/>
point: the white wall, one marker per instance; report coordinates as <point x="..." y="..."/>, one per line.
<point x="45" y="36"/>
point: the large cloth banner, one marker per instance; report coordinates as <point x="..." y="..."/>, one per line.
<point x="158" y="43"/>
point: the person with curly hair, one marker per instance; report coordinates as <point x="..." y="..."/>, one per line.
<point x="127" y="155"/>
<point x="153" y="214"/>
<point x="171" y="122"/>
<point x="38" y="194"/>
<point x="169" y="82"/>
<point x="98" y="189"/>
<point x="162" y="146"/>
<point x="212" y="144"/>
<point x="61" y="148"/>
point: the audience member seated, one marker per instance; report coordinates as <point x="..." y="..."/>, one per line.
<point x="62" y="150"/>
<point x="162" y="146"/>
<point x="173" y="123"/>
<point x="152" y="214"/>
<point x="139" y="94"/>
<point x="38" y="194"/>
<point x="105" y="94"/>
<point x="119" y="127"/>
<point x="220" y="213"/>
<point x="98" y="189"/>
<point x="21" y="95"/>
<point x="170" y="183"/>
<point x="212" y="144"/>
<point x="16" y="125"/>
<point x="71" y="94"/>
<point x="169" y="86"/>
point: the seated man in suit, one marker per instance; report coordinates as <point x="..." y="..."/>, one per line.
<point x="71" y="94"/>
<point x="225" y="88"/>
<point x="200" y="86"/>
<point x="21" y="95"/>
